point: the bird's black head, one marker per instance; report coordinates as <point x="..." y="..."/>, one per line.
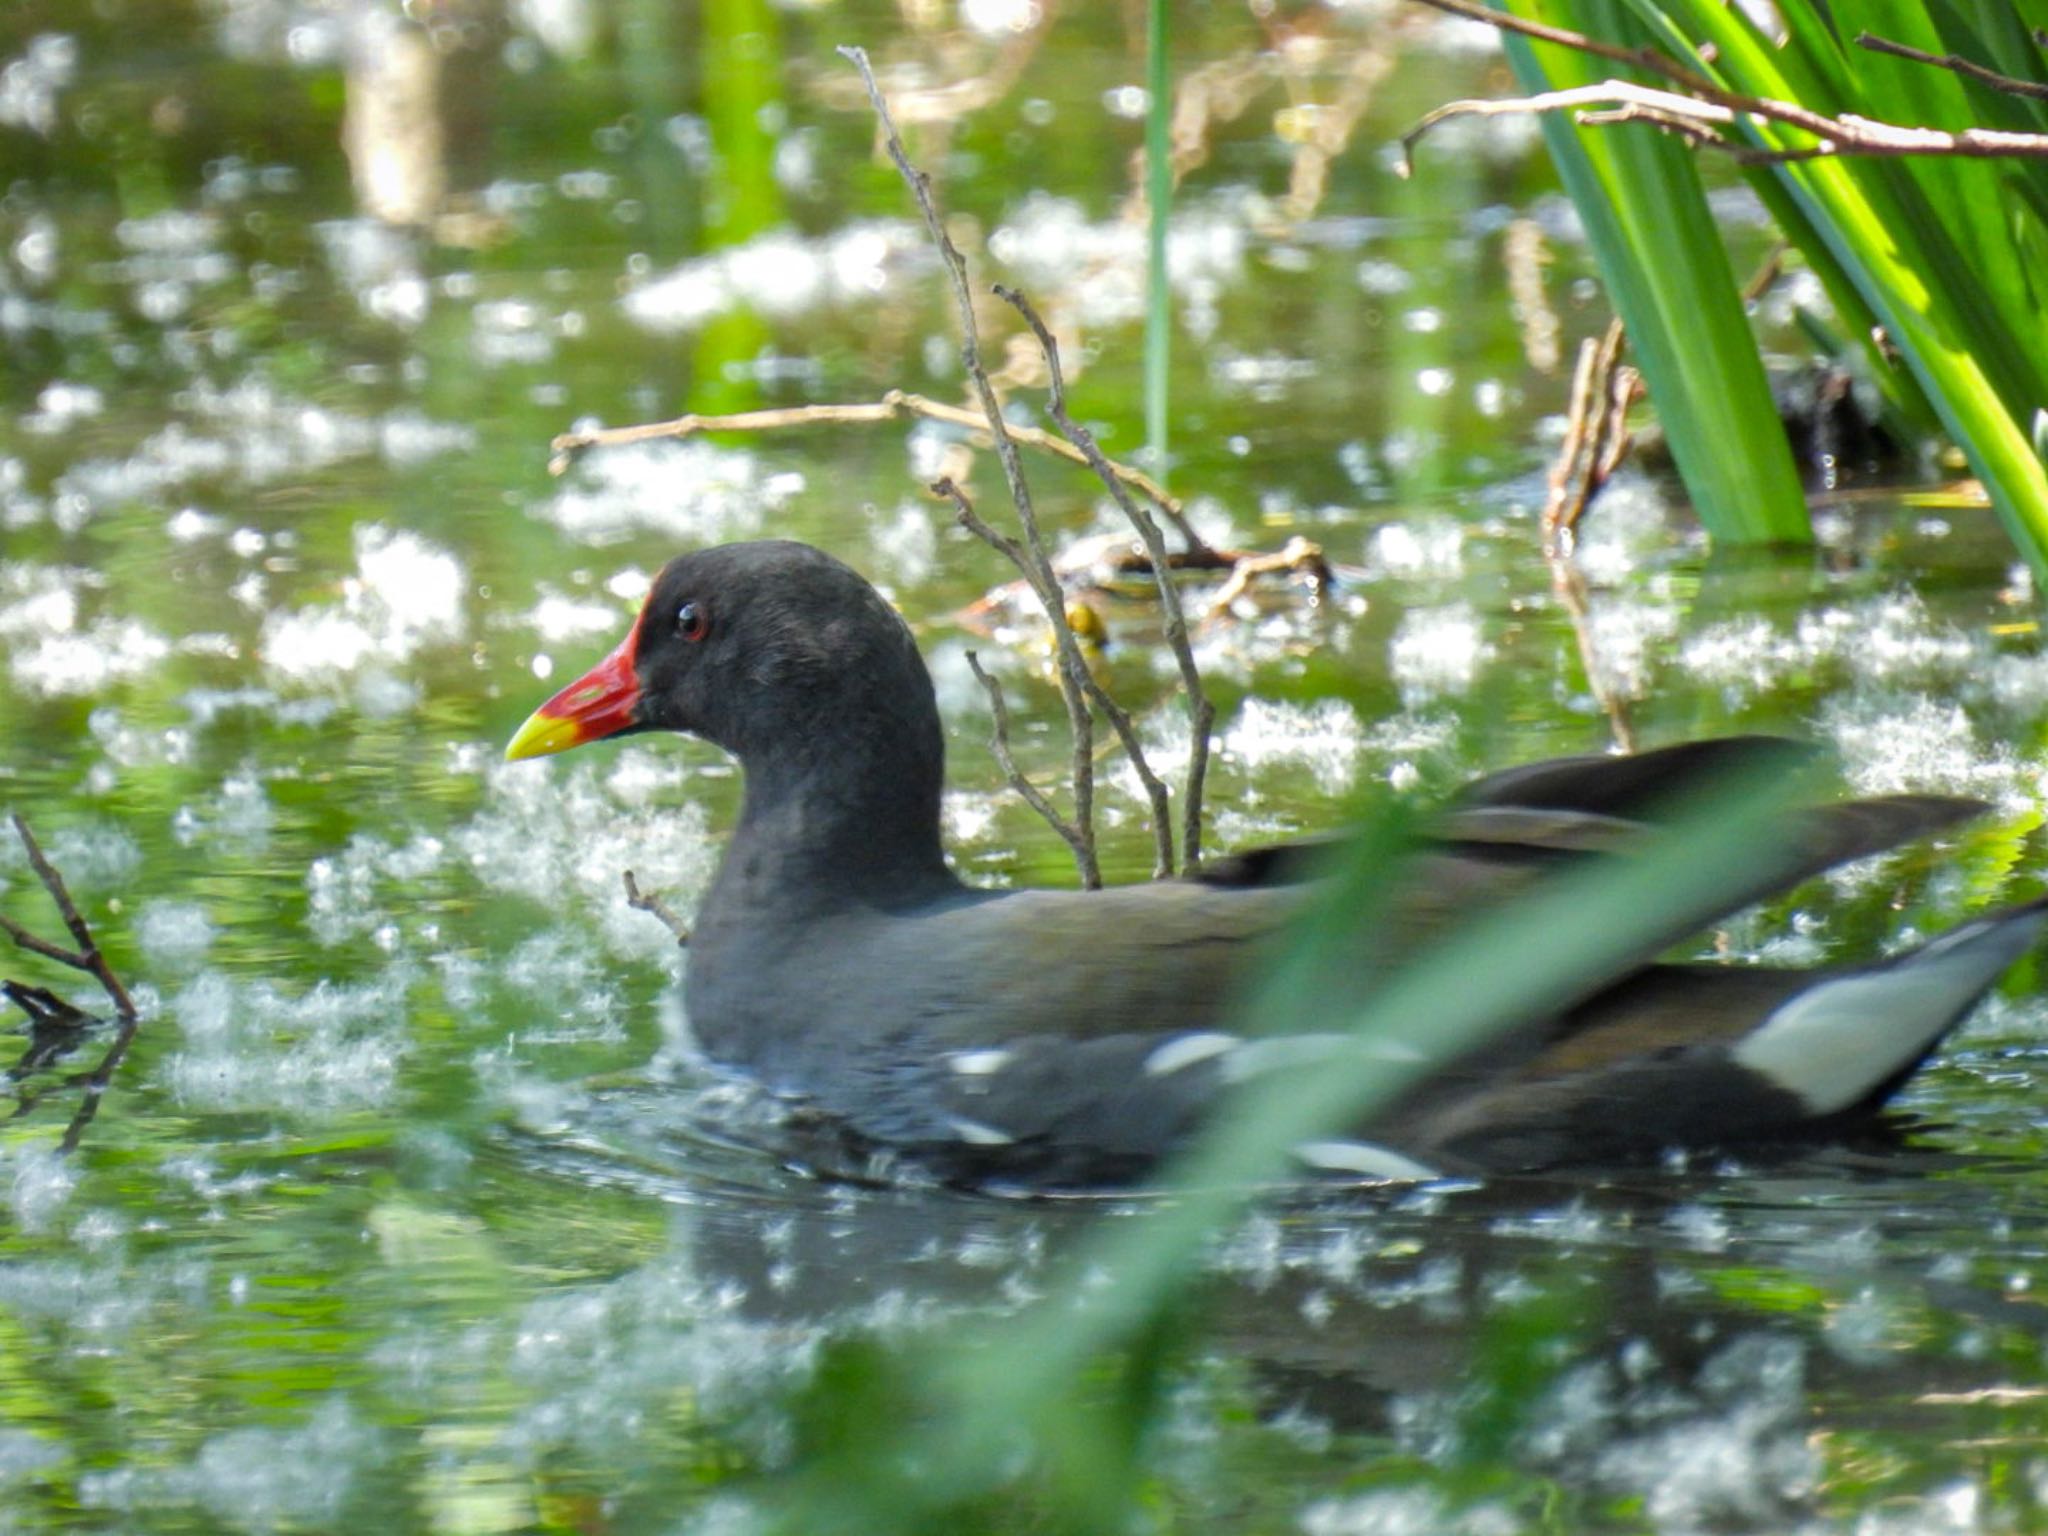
<point x="769" y="649"/>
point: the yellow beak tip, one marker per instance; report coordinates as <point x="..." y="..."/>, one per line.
<point x="540" y="736"/>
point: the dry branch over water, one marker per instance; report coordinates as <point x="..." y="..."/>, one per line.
<point x="46" y="1010"/>
<point x="1700" y="110"/>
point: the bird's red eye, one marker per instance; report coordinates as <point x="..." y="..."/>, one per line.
<point x="692" y="621"/>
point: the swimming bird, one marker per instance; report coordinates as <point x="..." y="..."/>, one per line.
<point x="1075" y="1038"/>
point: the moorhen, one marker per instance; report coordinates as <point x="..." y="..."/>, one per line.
<point x="1072" y="1038"/>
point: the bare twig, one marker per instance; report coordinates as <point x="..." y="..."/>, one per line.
<point x="1624" y="386"/>
<point x="1652" y="59"/>
<point x="655" y="907"/>
<point x="896" y="405"/>
<point x="1080" y="832"/>
<point x="1525" y="255"/>
<point x="1701" y="109"/>
<point x="1297" y="554"/>
<point x="88" y="958"/>
<point x="1968" y="68"/>
<point x="999" y="744"/>
<point x="1767" y="273"/>
<point x="97" y="1081"/>
<point x="1201" y="713"/>
<point x="1596" y="436"/>
<point x="1037" y="568"/>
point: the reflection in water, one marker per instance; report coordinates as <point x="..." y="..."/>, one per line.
<point x="1666" y="1342"/>
<point x="391" y="132"/>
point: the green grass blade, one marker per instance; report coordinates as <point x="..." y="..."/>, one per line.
<point x="1968" y="327"/>
<point x="1640" y="198"/>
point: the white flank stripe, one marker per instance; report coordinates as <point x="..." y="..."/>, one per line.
<point x="1282" y="1052"/>
<point x="1185" y="1051"/>
<point x="979" y="1063"/>
<point x="1361" y="1157"/>
<point x="975" y="1134"/>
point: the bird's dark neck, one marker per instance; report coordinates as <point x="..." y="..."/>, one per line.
<point x="839" y="819"/>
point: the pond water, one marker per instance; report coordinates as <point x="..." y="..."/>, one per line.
<point x="411" y="1208"/>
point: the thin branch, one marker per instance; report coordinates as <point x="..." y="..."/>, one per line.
<point x="896" y="405"/>
<point x="28" y="941"/>
<point x="1968" y="68"/>
<point x="1596" y="436"/>
<point x="87" y="958"/>
<point x="1297" y="554"/>
<point x="1079" y="833"/>
<point x="1653" y="59"/>
<point x="655" y="907"/>
<point x="1568" y="581"/>
<point x="999" y="744"/>
<point x="1201" y="713"/>
<point x="1701" y="108"/>
<point x="1075" y="683"/>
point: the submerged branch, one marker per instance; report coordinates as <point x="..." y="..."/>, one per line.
<point x="1298" y="556"/>
<point x="655" y="907"/>
<point x="46" y="1010"/>
<point x="1079" y="834"/>
<point x="1075" y="683"/>
<point x="87" y="957"/>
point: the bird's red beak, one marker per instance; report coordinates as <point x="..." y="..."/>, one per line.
<point x="598" y="704"/>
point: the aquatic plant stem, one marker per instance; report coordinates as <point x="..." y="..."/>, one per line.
<point x="895" y="405"/>
<point x="1158" y="214"/>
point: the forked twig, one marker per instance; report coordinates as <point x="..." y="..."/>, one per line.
<point x="1076" y="686"/>
<point x="1968" y="68"/>
<point x="655" y="907"/>
<point x="895" y="405"/>
<point x="1083" y="842"/>
<point x="1700" y="109"/>
<point x="1201" y="713"/>
<point x="1596" y="436"/>
<point x="999" y="744"/>
<point x="1297" y="554"/>
<point x="44" y="1007"/>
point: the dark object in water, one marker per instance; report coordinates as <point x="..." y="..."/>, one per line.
<point x="1073" y="1038"/>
